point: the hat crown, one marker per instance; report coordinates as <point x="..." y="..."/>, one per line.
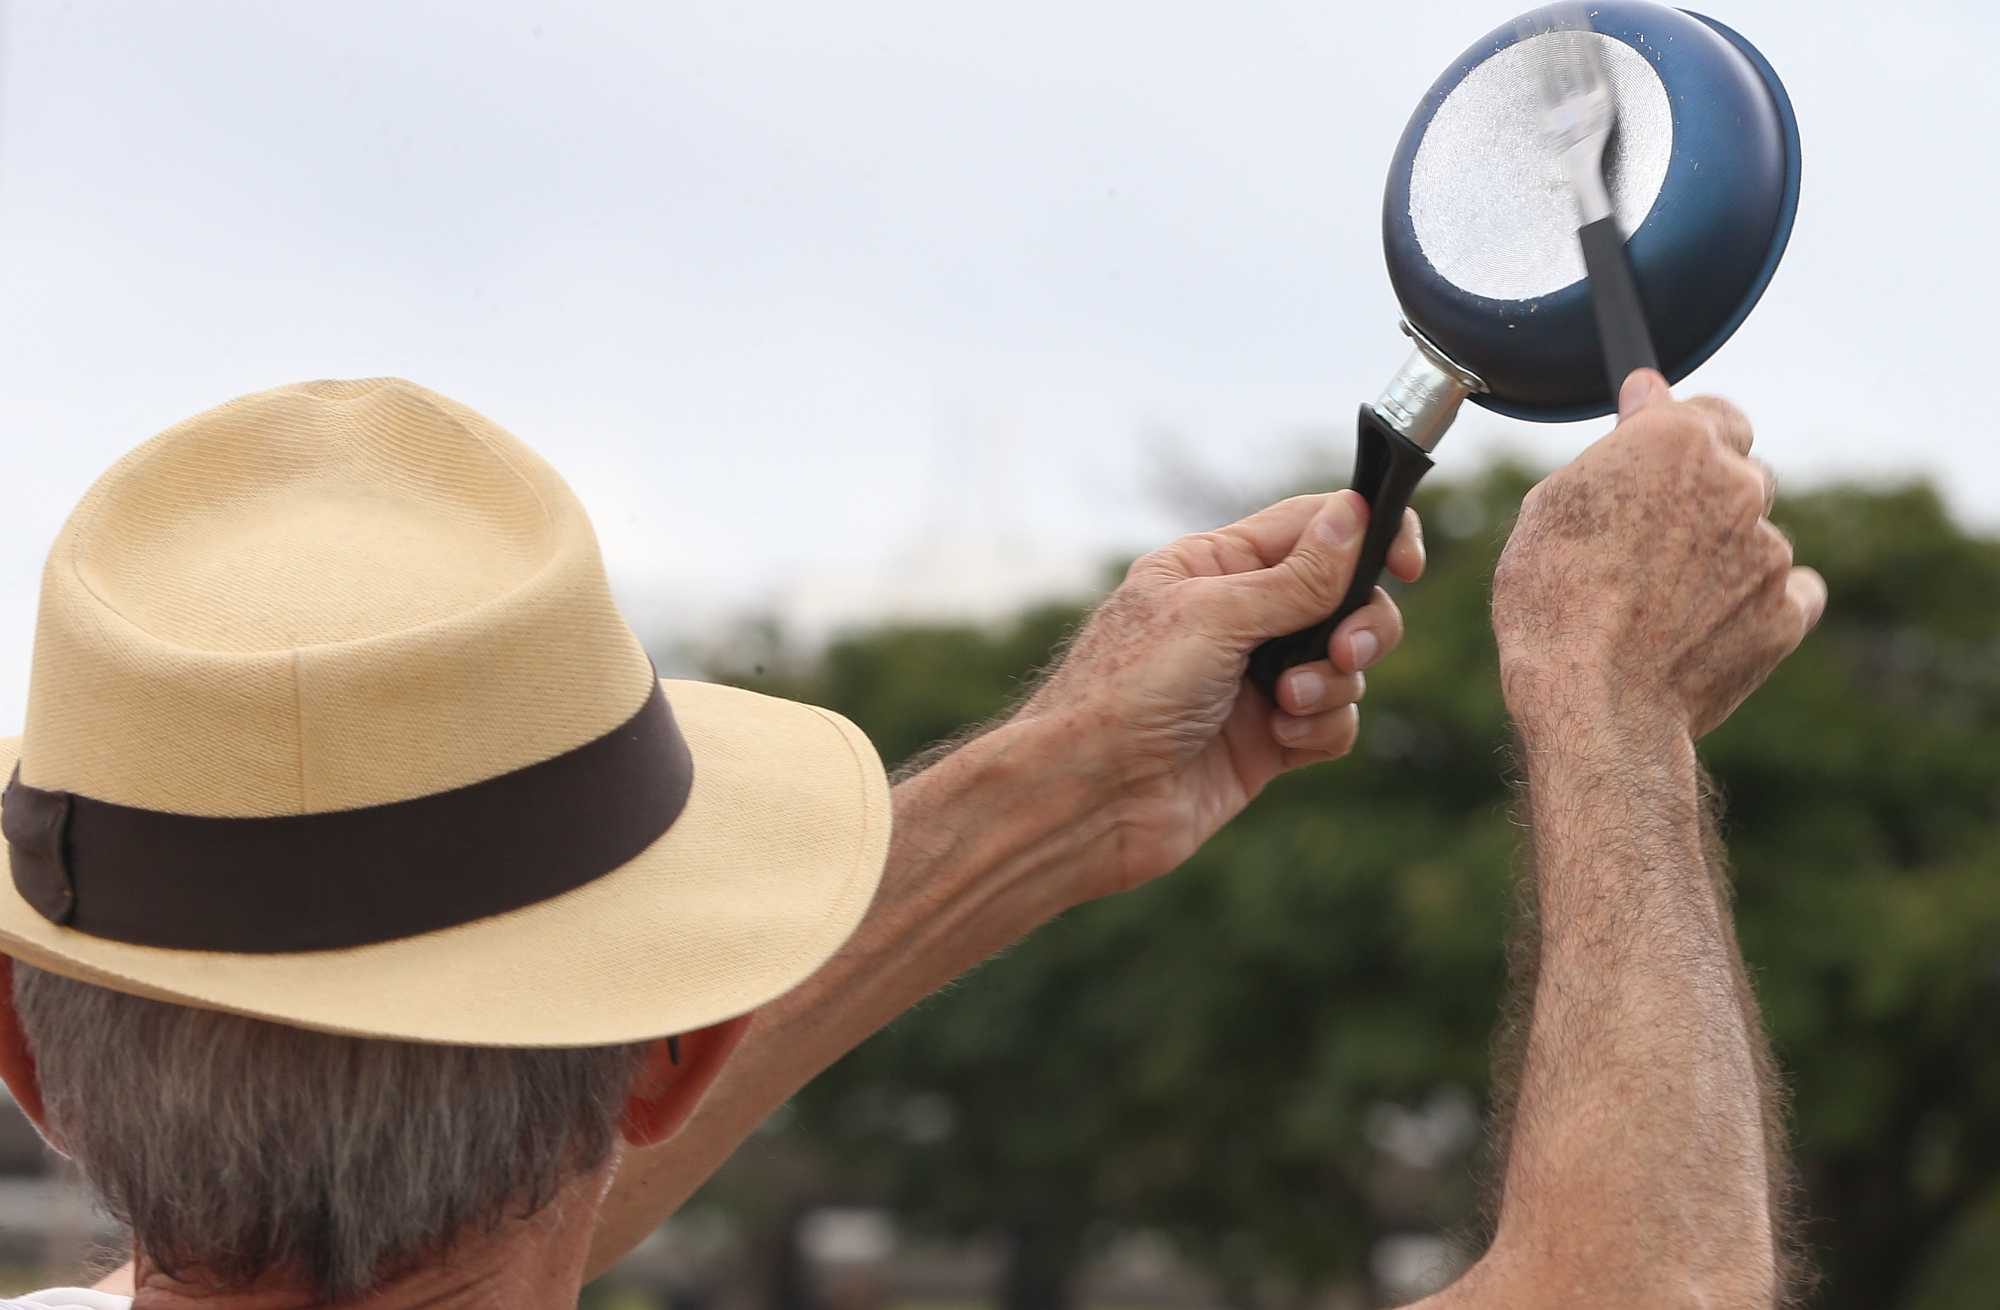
<point x="321" y="597"/>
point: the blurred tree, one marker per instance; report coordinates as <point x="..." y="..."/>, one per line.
<point x="1249" y="1055"/>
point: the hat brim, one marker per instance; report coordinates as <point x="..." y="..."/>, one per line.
<point x="769" y="868"/>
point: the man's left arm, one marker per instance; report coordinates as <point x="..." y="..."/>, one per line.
<point x="1139" y="746"/>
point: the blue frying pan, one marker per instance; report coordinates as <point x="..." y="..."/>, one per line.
<point x="1479" y="233"/>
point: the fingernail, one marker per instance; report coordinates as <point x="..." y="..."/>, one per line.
<point x="1308" y="689"/>
<point x="1291" y="729"/>
<point x="1338" y="523"/>
<point x="1637" y="391"/>
<point x="1364" y="647"/>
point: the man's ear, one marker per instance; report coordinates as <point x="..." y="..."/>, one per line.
<point x="665" y="1093"/>
<point x="17" y="1062"/>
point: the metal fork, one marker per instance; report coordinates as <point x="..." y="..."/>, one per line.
<point x="1579" y="116"/>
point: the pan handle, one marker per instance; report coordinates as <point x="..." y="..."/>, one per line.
<point x="1387" y="468"/>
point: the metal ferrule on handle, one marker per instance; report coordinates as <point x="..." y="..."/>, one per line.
<point x="1392" y="453"/>
<point x="1423" y="397"/>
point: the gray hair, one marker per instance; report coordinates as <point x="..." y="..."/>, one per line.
<point x="235" y="1148"/>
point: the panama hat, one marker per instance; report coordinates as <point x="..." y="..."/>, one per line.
<point x="333" y="722"/>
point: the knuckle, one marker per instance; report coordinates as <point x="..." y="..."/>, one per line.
<point x="1208" y="547"/>
<point x="1777" y="546"/>
<point x="1150" y="564"/>
<point x="1693" y="420"/>
<point x="1327" y="565"/>
<point x="1719" y="408"/>
<point x="1747" y="495"/>
<point x="1783" y="634"/>
<point x="1309" y="584"/>
<point x="1137" y="601"/>
<point x="1728" y="421"/>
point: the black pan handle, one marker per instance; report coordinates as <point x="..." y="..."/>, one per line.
<point x="1387" y="468"/>
<point x="1621" y="315"/>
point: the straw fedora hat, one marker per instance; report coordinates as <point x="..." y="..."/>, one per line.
<point x="333" y="722"/>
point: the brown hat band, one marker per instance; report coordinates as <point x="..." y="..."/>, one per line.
<point x="311" y="882"/>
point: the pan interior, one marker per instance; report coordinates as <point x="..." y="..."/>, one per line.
<point x="1489" y="203"/>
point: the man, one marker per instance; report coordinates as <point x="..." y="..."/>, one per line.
<point x="384" y="934"/>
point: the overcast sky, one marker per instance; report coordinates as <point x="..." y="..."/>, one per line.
<point x="833" y="309"/>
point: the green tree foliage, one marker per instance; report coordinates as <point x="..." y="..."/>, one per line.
<point x="1225" y="1056"/>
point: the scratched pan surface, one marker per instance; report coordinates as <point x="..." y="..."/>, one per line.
<point x="1479" y="227"/>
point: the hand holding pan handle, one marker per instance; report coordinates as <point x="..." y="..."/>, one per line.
<point x="1391" y="455"/>
<point x="1387" y="468"/>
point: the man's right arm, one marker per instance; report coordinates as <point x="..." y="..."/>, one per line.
<point x="1642" y="597"/>
<point x="1637" y="1171"/>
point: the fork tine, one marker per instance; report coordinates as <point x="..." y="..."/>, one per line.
<point x="1579" y="110"/>
<point x="1528" y="28"/>
<point x="1563" y="65"/>
<point x="1566" y="17"/>
<point x="1569" y="63"/>
<point x="1590" y="60"/>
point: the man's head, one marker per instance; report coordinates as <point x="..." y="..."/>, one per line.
<point x="357" y="860"/>
<point x="237" y="1149"/>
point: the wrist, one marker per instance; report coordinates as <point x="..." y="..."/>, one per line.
<point x="1605" y="742"/>
<point x="1557" y="699"/>
<point x="1606" y="773"/>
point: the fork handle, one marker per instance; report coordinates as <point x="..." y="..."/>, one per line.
<point x="1621" y="315"/>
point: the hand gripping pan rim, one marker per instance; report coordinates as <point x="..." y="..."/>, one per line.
<point x="1398" y="431"/>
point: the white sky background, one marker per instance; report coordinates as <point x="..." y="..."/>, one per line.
<point x="843" y="309"/>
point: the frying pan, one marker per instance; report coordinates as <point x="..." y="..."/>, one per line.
<point x="1479" y="234"/>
